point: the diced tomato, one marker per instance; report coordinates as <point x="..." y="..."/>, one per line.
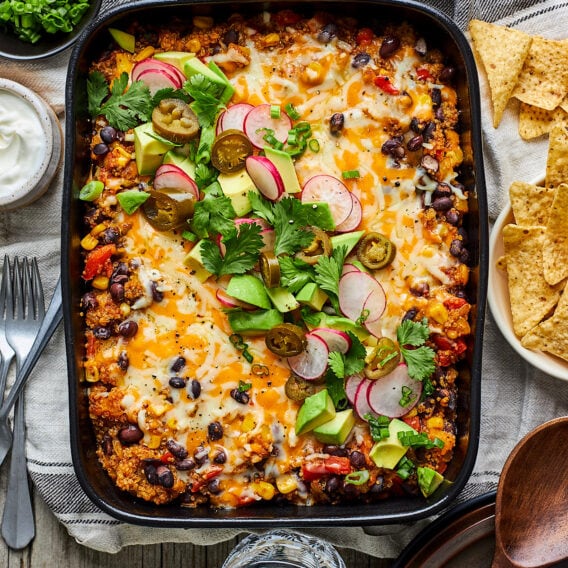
<point x="332" y="465"/>
<point x="423" y="74"/>
<point x="213" y="471"/>
<point x="364" y="36"/>
<point x="443" y="342"/>
<point x="413" y="422"/>
<point x="454" y="303"/>
<point x="444" y="358"/>
<point x="385" y="85"/>
<point x="460" y="346"/>
<point x="96" y="261"/>
<point x="167" y="457"/>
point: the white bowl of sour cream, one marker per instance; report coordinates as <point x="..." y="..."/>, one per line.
<point x="30" y="145"/>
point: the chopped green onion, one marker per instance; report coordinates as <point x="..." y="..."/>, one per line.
<point x="405" y="468"/>
<point x="247" y="355"/>
<point x="365" y="313"/>
<point x="379" y="426"/>
<point x="274" y="111"/>
<point x="419" y="440"/>
<point x="131" y="199"/>
<point x="243" y="387"/>
<point x="357" y="477"/>
<point x="292" y="112"/>
<point x="314" y="145"/>
<point x="407" y="397"/>
<point x="292" y="138"/>
<point x="303" y="127"/>
<point x="260" y="370"/>
<point x="91" y="191"/>
<point x="189" y="236"/>
<point x="350" y="174"/>
<point x="237" y="340"/>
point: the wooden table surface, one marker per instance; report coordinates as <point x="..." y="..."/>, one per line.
<point x="54" y="548"/>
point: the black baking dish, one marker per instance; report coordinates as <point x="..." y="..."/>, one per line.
<point x="438" y="29"/>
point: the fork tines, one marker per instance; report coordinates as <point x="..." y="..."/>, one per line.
<point x="26" y="283"/>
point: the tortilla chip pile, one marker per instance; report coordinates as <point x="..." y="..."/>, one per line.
<point x="536" y="254"/>
<point x="532" y="69"/>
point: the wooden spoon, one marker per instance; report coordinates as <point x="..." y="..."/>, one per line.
<point x="531" y="509"/>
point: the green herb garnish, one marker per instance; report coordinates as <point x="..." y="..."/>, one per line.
<point x="420" y="360"/>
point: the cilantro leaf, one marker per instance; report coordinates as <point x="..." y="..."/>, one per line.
<point x="261" y="207"/>
<point x="355" y="357"/>
<point x="242" y="250"/>
<point x="336" y="390"/>
<point x="294" y="273"/>
<point x="290" y="222"/>
<point x="124" y="109"/>
<point x="420" y="361"/>
<point x="205" y="175"/>
<point x="205" y="94"/>
<point x="97" y="91"/>
<point x="310" y="318"/>
<point x="336" y="364"/>
<point x="213" y="216"/>
<point x="328" y="272"/>
<point x="412" y="332"/>
<point x="169" y="93"/>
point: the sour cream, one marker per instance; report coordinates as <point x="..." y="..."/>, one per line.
<point x="22" y="142"/>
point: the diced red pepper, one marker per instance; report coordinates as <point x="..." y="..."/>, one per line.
<point x="332" y="465"/>
<point x="96" y="260"/>
<point x="385" y="85"/>
<point x="413" y="422"/>
<point x="460" y="346"/>
<point x="454" y="303"/>
<point x="423" y="74"/>
<point x="443" y="343"/>
<point x="364" y="36"/>
<point x="167" y="457"/>
<point x="212" y="472"/>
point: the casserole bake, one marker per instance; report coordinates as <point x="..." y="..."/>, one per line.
<point x="156" y="452"/>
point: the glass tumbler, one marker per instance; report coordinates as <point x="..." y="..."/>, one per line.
<point x="283" y="549"/>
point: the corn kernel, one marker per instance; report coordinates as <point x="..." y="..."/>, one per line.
<point x="154" y="441"/>
<point x="248" y="423"/>
<point x="271" y="40"/>
<point x="158" y="409"/>
<point x="263" y="489"/>
<point x="203" y="22"/>
<point x="437" y="312"/>
<point x="92" y="374"/>
<point x="100" y="282"/>
<point x="286" y="483"/>
<point x="124" y="309"/>
<point x="313" y="74"/>
<point x="148" y="51"/>
<point x="435" y="423"/>
<point x="89" y="242"/>
<point x="193" y="45"/>
<point x="171" y="423"/>
<point x="98" y="229"/>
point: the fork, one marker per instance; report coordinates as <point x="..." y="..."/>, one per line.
<point x="25" y="298"/>
<point x="6" y="352"/>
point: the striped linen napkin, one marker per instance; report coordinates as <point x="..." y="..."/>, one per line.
<point x="515" y="397"/>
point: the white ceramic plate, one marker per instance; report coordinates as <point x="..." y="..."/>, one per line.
<point x="498" y="297"/>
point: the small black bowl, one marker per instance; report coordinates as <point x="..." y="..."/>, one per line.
<point x="13" y="48"/>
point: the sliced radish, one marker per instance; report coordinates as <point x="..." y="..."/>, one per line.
<point x="355" y="288"/>
<point x="158" y="79"/>
<point x="334" y="339"/>
<point x="311" y="363"/>
<point x="374" y="327"/>
<point x="151" y="64"/>
<point x="351" y="385"/>
<point x="384" y="394"/>
<point x="258" y="120"/>
<point x="347" y="268"/>
<point x="354" y="219"/>
<point x="265" y="176"/>
<point x="361" y="403"/>
<point x="234" y="117"/>
<point x="171" y="176"/>
<point x="230" y="302"/>
<point x="269" y="238"/>
<point x="220" y="244"/>
<point x="375" y="304"/>
<point x="329" y="189"/>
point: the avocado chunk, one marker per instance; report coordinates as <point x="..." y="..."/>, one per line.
<point x="150" y="149"/>
<point x="389" y="451"/>
<point x="237" y="187"/>
<point x="340" y="323"/>
<point x="312" y="295"/>
<point x="176" y="58"/>
<point x="212" y="72"/>
<point x="229" y="89"/>
<point x="181" y="161"/>
<point x="316" y="410"/>
<point x="285" y="166"/>
<point x="319" y="215"/>
<point x="249" y="289"/>
<point x="194" y="261"/>
<point x="428" y="480"/>
<point x="124" y="40"/>
<point x="337" y="429"/>
<point x="347" y="239"/>
<point x="257" y="322"/>
<point x="282" y="299"/>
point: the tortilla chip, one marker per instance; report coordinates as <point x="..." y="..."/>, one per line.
<point x="501" y="263"/>
<point x="564" y="104"/>
<point x="531" y="204"/>
<point x="557" y="157"/>
<point x="503" y="52"/>
<point x="552" y="334"/>
<point x="531" y="297"/>
<point x="534" y="121"/>
<point x="544" y="78"/>
<point x="555" y="246"/>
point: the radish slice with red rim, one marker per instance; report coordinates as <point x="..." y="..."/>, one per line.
<point x="265" y="176"/>
<point x="172" y="177"/>
<point x="259" y="120"/>
<point x="311" y="363"/>
<point x="335" y="339"/>
<point x="375" y="304"/>
<point x="375" y="328"/>
<point x="158" y="79"/>
<point x="385" y="394"/>
<point x="329" y="189"/>
<point x="354" y="290"/>
<point x="361" y="404"/>
<point x="347" y="268"/>
<point x="351" y="385"/>
<point x="234" y="117"/>
<point x="354" y="219"/>
<point x="151" y="64"/>
<point x="230" y="302"/>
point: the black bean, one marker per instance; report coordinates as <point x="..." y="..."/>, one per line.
<point x="357" y="459"/>
<point x="336" y="123"/>
<point x="430" y="163"/>
<point x="151" y="473"/>
<point x="215" y="49"/>
<point x="120" y="136"/>
<point x="157" y="295"/>
<point x="185" y="465"/>
<point x="390" y="45"/>
<point x="231" y="36"/>
<point x="121" y="268"/>
<point x="201" y="455"/>
<point x="442" y="204"/>
<point x="334" y="450"/>
<point x="436" y="96"/>
<point x="214" y="486"/>
<point x="176" y="449"/>
<point x="350" y="490"/>
<point x="456" y="247"/>
<point x="102" y="332"/>
<point x="327" y="33"/>
<point x="464" y="256"/>
<point x="194" y="389"/>
<point x="332" y="484"/>
<point x="110" y="236"/>
<point x="100" y="149"/>
<point x="117" y="292"/>
<point x="360" y="60"/>
<point x="379" y="485"/>
<point x="130" y="434"/>
<point x="452" y="217"/>
<point x="177" y="382"/>
<point x="391" y="145"/>
<point x="428" y="132"/>
<point x="442" y="190"/>
<point x="416" y="125"/>
<point x="215" y="431"/>
<point x="89" y="301"/>
<point x="240" y="396"/>
<point x="415" y="143"/>
<point x="439" y="114"/>
<point x="178" y="364"/>
<point x="420" y="289"/>
<point x="220" y="457"/>
<point x="165" y="476"/>
<point x="108" y="134"/>
<point x="447" y="73"/>
<point x="410" y="314"/>
<point x="106" y="445"/>
<point x="128" y="328"/>
<point x="123" y="361"/>
<point x="420" y="46"/>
